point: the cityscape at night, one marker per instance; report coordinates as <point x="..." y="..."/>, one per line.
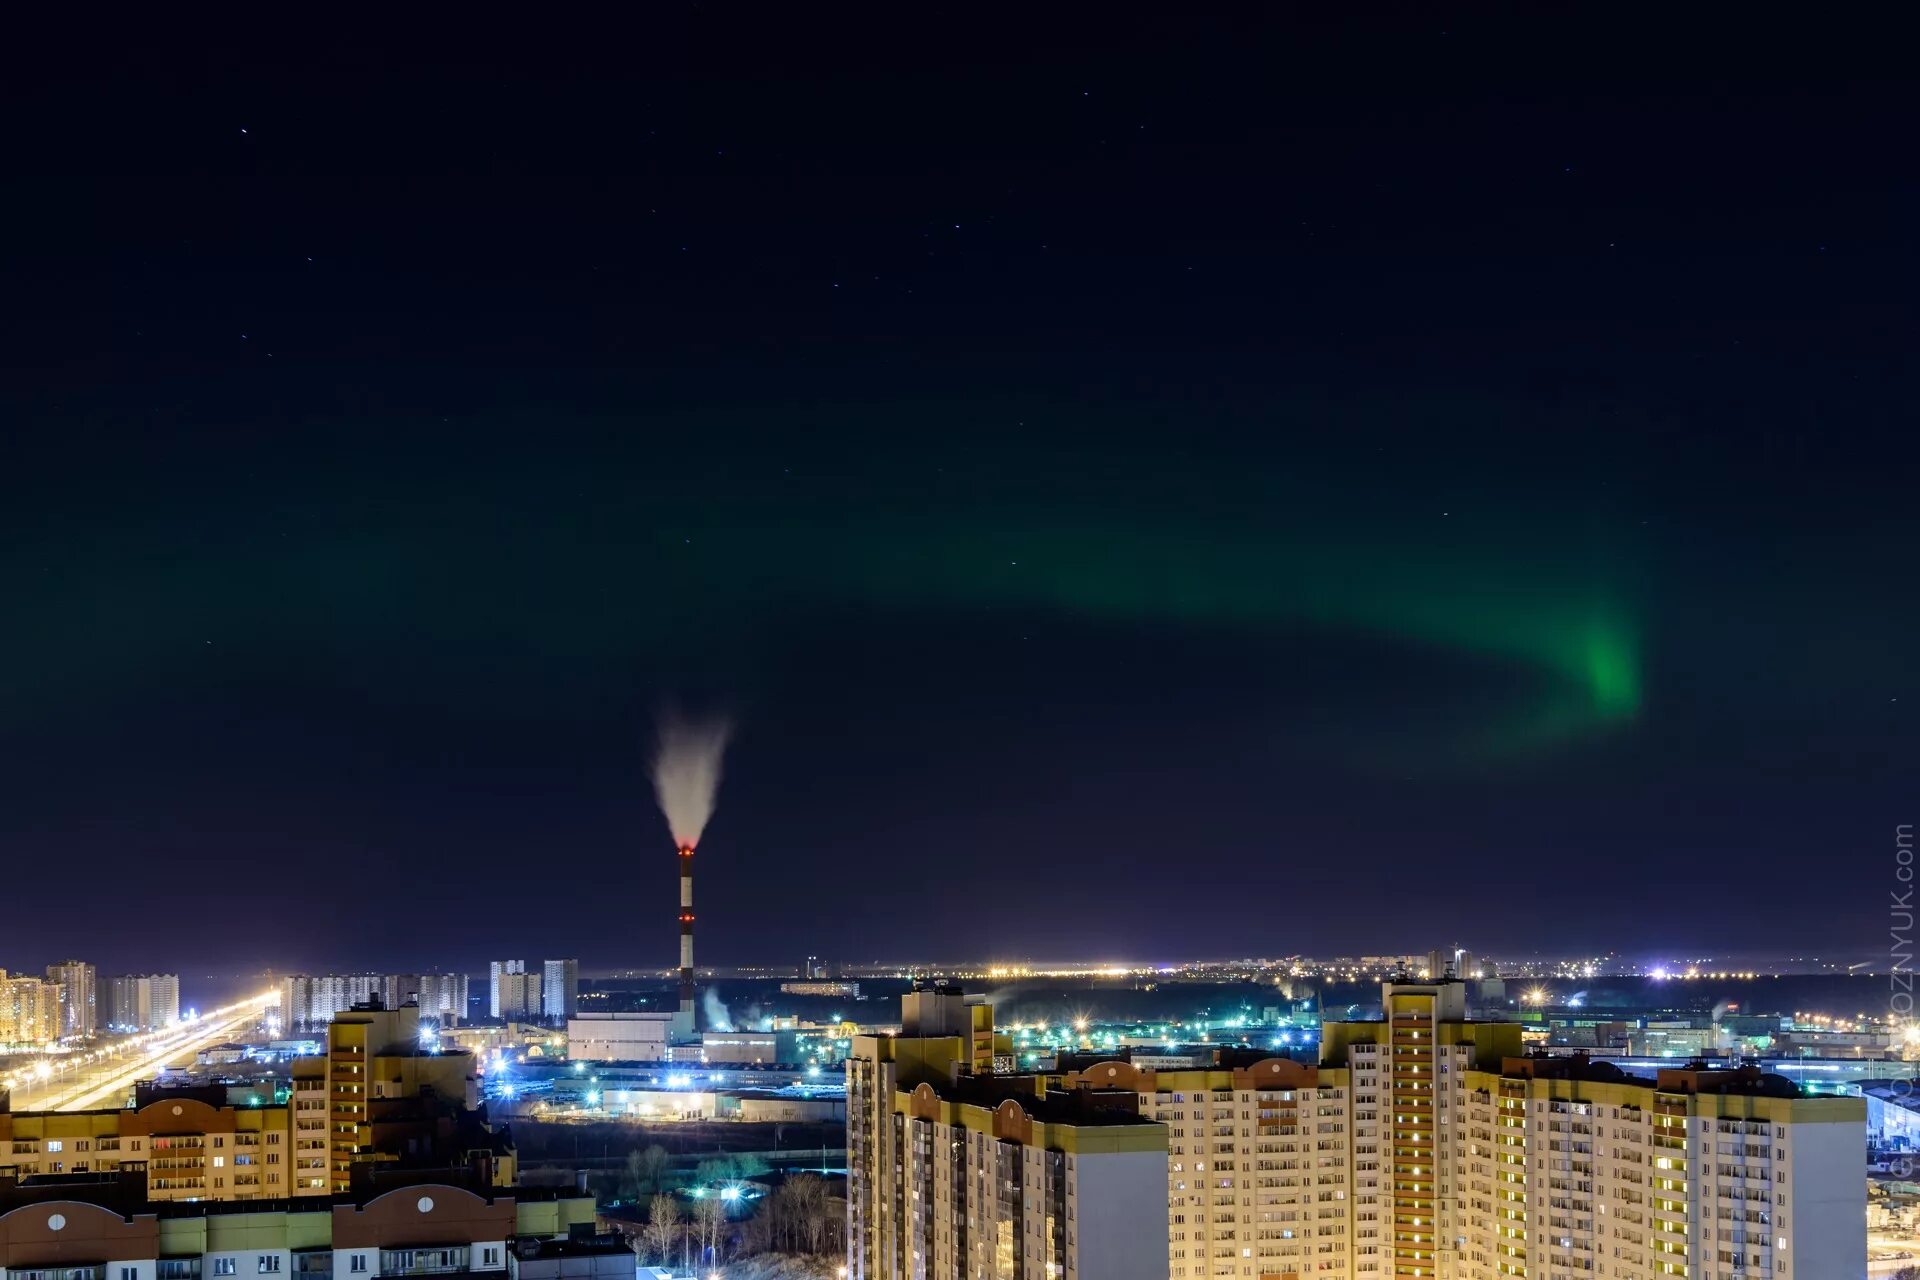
<point x="729" y="642"/>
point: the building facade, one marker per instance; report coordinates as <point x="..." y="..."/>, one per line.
<point x="512" y="991"/>
<point x="311" y="1001"/>
<point x="619" y="1036"/>
<point x="89" y="1230"/>
<point x="439" y="996"/>
<point x="30" y="1011"/>
<point x="560" y="988"/>
<point x="1421" y="1146"/>
<point x="143" y="1001"/>
<point x="187" y="1149"/>
<point x="375" y="1065"/>
<point x="1259" y="1181"/>
<point x="79" y="997"/>
<point x="954" y="1172"/>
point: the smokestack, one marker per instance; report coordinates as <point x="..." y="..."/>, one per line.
<point x="686" y="936"/>
<point x="686" y="775"/>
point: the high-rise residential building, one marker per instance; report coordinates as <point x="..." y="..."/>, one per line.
<point x="514" y="993"/>
<point x="560" y="988"/>
<point x="30" y="1012"/>
<point x="1426" y="1145"/>
<point x="498" y="970"/>
<point x="956" y="1172"/>
<point x="440" y="996"/>
<point x="310" y="1001"/>
<point x="143" y="1001"/>
<point x="375" y="1067"/>
<point x="79" y="996"/>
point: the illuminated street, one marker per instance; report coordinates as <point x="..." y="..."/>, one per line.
<point x="105" y="1077"/>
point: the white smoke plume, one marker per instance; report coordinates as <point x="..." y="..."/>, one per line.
<point x="718" y="1019"/>
<point x="686" y="771"/>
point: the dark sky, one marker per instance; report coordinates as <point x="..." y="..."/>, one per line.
<point x="1144" y="487"/>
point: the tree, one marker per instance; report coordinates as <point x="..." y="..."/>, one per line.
<point x="802" y="1216"/>
<point x="646" y="1173"/>
<point x="709" y="1223"/>
<point x="716" y="1171"/>
<point x="807" y="1201"/>
<point x="663" y="1226"/>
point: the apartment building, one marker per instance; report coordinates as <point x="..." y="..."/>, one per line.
<point x="98" y="1229"/>
<point x="1259" y="1176"/>
<point x="143" y="1001"/>
<point x="440" y="996"/>
<point x="1424" y="1144"/>
<point x="512" y="992"/>
<point x="79" y="997"/>
<point x="383" y="1091"/>
<point x="312" y="1000"/>
<point x="186" y="1148"/>
<point x="29" y="1011"/>
<point x="956" y="1171"/>
<point x="560" y="988"/>
<point x="1407" y="1082"/>
<point x="1712" y="1175"/>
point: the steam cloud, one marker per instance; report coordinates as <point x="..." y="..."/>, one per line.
<point x="718" y="1018"/>
<point x="686" y="772"/>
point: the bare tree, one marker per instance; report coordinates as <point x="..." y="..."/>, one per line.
<point x="709" y="1225"/>
<point x="663" y="1226"/>
<point x="646" y="1173"/>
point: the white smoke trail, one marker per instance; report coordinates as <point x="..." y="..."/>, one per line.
<point x="686" y="772"/>
<point x="718" y="1019"/>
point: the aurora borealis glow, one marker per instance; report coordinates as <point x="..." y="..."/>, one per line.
<point x="1350" y="471"/>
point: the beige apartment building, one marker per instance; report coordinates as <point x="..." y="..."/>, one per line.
<point x="188" y="1149"/>
<point x="30" y="1011"/>
<point x="957" y="1172"/>
<point x="1423" y="1146"/>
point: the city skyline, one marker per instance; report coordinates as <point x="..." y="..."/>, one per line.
<point x="1298" y="480"/>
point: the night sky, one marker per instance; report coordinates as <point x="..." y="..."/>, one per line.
<point x="1144" y="488"/>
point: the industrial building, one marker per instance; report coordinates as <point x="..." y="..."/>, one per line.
<point x="620" y="1037"/>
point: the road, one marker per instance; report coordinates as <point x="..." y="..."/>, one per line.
<point x="105" y="1077"/>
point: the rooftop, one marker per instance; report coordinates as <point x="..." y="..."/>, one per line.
<point x="124" y="1195"/>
